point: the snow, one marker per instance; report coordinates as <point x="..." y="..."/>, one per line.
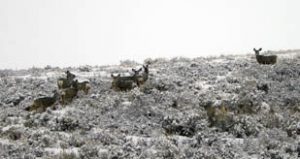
<point x="11" y="126"/>
<point x="218" y="61"/>
<point x="126" y="103"/>
<point x="289" y="55"/>
<point x="104" y="74"/>
<point x="82" y="75"/>
<point x="5" y="142"/>
<point x="203" y="85"/>
<point x="57" y="151"/>
<point x="61" y="112"/>
<point x="138" y="139"/>
<point x="167" y="114"/>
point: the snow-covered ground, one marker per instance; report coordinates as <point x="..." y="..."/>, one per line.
<point x="212" y="107"/>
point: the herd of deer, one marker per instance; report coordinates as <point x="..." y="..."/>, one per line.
<point x="68" y="89"/>
<point x="69" y="86"/>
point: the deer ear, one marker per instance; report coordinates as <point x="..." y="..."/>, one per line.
<point x="260" y="49"/>
<point x="134" y="70"/>
<point x="254" y="49"/>
<point x="140" y="69"/>
<point x="146" y="67"/>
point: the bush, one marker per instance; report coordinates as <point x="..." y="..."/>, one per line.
<point x="66" y="124"/>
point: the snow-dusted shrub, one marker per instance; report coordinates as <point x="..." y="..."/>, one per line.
<point x="85" y="68"/>
<point x="287" y="71"/>
<point x="35" y="72"/>
<point x="166" y="148"/>
<point x="274" y="154"/>
<point x="180" y="59"/>
<point x="161" y="84"/>
<point x="157" y="61"/>
<point x="291" y="100"/>
<point x="298" y="149"/>
<point x="128" y="63"/>
<point x="263" y="87"/>
<point x="296" y="108"/>
<point x="38" y="152"/>
<point x="244" y="126"/>
<point x="5" y="73"/>
<point x="66" y="155"/>
<point x="66" y="124"/>
<point x="172" y="126"/>
<point x="48" y="67"/>
<point x="207" y="153"/>
<point x="28" y="156"/>
<point x="13" y="133"/>
<point x="40" y="139"/>
<point x="246" y="105"/>
<point x="104" y="138"/>
<point x="88" y="151"/>
<point x="47" y="140"/>
<point x="14" y="99"/>
<point x="232" y="79"/>
<point x="11" y="151"/>
<point x="76" y="141"/>
<point x="272" y="120"/>
<point x="249" y="100"/>
<point x="293" y="129"/>
<point x="219" y="115"/>
<point x="18" y="80"/>
<point x="30" y="123"/>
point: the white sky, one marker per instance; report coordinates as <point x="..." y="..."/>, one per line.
<point x="99" y="32"/>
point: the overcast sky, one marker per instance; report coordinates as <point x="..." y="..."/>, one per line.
<point x="100" y="32"/>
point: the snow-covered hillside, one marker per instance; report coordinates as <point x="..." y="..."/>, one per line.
<point x="214" y="107"/>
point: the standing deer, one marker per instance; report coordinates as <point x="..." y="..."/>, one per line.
<point x="265" y="60"/>
<point x="66" y="82"/>
<point x="141" y="79"/>
<point x="68" y="94"/>
<point x="125" y="83"/>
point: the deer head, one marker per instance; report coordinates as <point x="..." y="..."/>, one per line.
<point x="257" y="50"/>
<point x="146" y="68"/>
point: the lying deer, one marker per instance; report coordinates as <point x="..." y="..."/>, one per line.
<point x="84" y="86"/>
<point x="41" y="104"/>
<point x="266" y="60"/>
<point x="125" y="83"/>
<point x="66" y="82"/>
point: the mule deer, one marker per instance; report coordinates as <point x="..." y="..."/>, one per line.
<point x="141" y="79"/>
<point x="66" y="82"/>
<point x="68" y="94"/>
<point x="84" y="86"/>
<point x="124" y="83"/>
<point x="265" y="60"/>
<point x="41" y="104"/>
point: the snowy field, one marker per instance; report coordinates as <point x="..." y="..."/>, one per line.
<point x="210" y="108"/>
